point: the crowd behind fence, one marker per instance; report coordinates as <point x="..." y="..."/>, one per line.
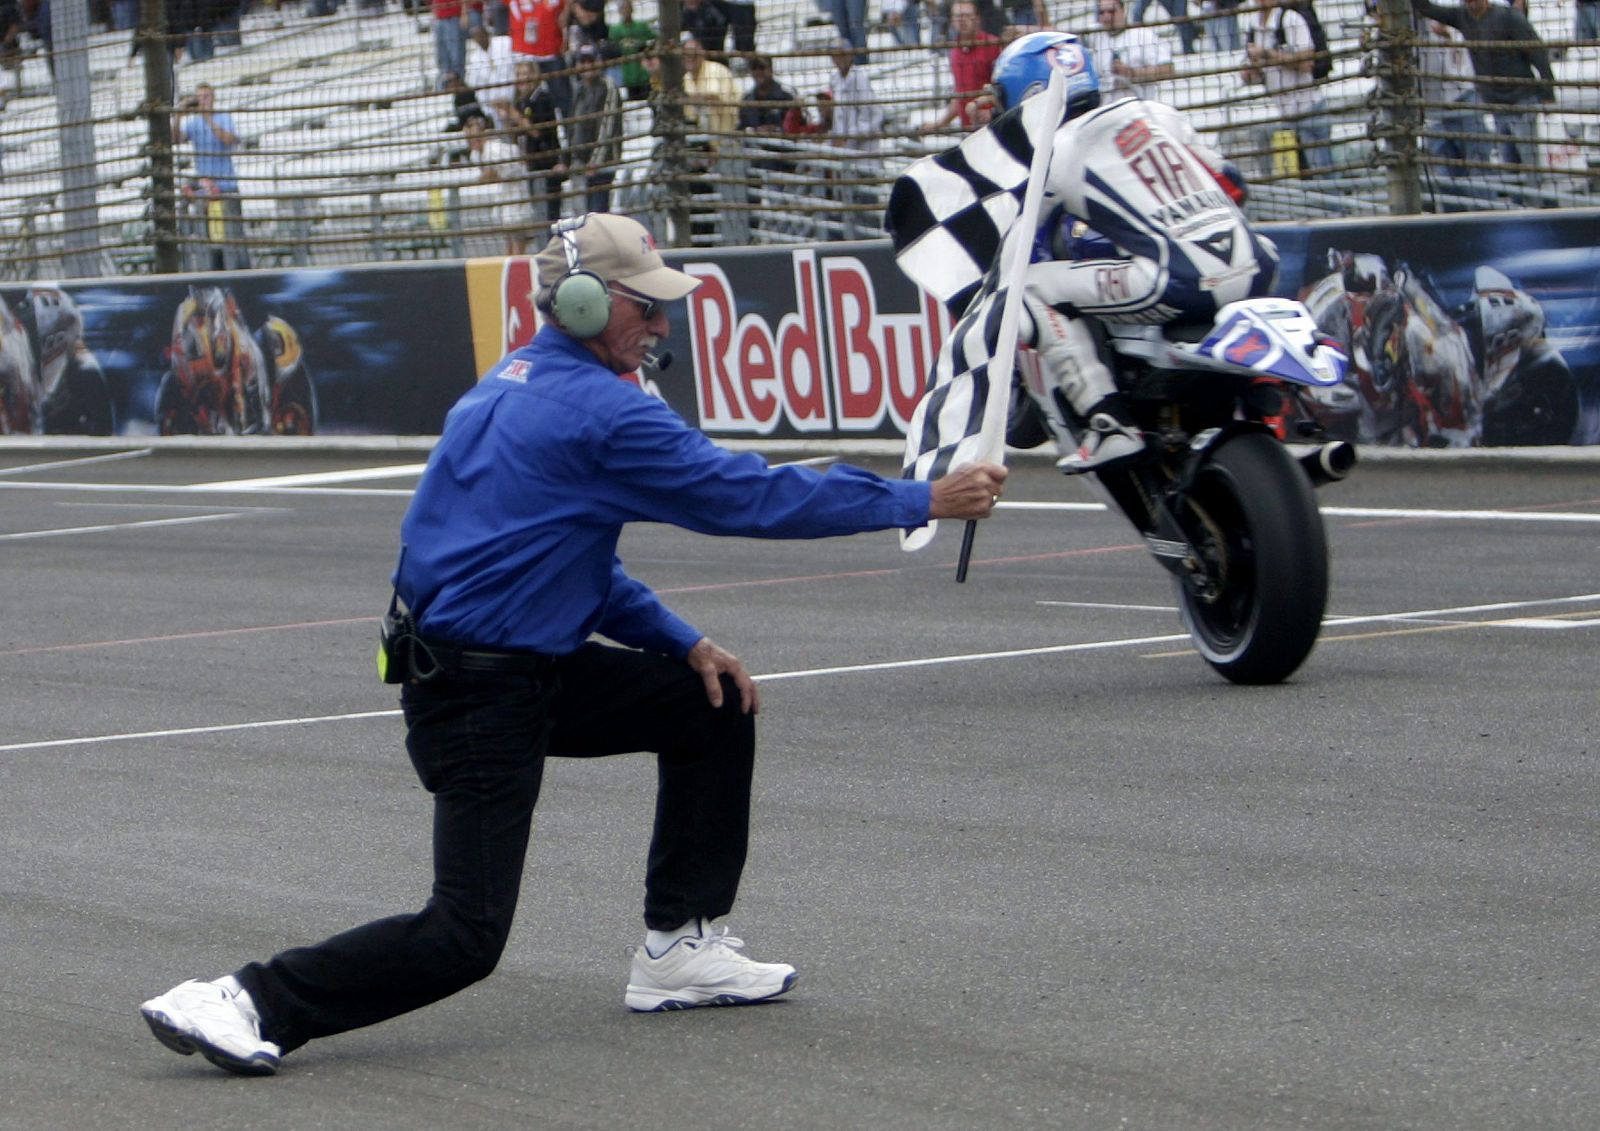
<point x="350" y="145"/>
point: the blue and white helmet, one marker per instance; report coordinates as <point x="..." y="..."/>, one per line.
<point x="1024" y="69"/>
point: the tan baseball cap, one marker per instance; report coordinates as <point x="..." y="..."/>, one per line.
<point x="619" y="250"/>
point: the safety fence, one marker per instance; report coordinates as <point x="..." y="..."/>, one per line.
<point x="348" y="141"/>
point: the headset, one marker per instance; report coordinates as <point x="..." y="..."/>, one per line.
<point x="580" y="299"/>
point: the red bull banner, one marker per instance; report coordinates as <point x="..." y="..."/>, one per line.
<point x="1464" y="332"/>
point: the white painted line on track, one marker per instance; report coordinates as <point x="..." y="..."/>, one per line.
<point x="186" y="520"/>
<point x="1464" y="516"/>
<point x="1499" y="606"/>
<point x="181" y="731"/>
<point x="970" y="657"/>
<point x="1109" y="605"/>
<point x="319" y="478"/>
<point x="206" y="489"/>
<point x="850" y="669"/>
<point x="30" y="468"/>
<point x="1368" y="512"/>
<point x="1007" y="505"/>
<point x="317" y="483"/>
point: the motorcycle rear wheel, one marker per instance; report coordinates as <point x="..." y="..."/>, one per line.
<point x="1255" y="611"/>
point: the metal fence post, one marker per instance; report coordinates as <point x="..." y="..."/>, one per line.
<point x="80" y="210"/>
<point x="1399" y="110"/>
<point x="152" y="42"/>
<point x="669" y="123"/>
<point x="299" y="240"/>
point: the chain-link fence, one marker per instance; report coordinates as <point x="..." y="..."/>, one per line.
<point x="144" y="135"/>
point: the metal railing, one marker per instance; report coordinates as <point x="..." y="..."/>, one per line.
<point x="347" y="155"/>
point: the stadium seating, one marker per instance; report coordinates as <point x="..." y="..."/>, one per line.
<point x="346" y="155"/>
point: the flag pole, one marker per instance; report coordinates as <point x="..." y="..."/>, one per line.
<point x="992" y="438"/>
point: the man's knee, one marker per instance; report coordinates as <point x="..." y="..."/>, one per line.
<point x="474" y="944"/>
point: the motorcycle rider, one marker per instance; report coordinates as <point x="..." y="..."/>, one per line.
<point x="1141" y="224"/>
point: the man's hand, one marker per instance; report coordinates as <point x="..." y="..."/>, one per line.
<point x="968" y="492"/>
<point x="712" y="662"/>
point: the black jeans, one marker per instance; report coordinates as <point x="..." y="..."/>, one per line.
<point x="478" y="742"/>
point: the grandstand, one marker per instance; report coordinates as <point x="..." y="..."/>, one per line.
<point x="346" y="155"/>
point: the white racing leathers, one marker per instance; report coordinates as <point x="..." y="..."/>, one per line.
<point x="1172" y="244"/>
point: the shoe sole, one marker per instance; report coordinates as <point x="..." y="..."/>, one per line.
<point x="655" y="1001"/>
<point x="1117" y="463"/>
<point x="167" y="1032"/>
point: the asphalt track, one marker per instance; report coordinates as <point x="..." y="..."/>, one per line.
<point x="1038" y="866"/>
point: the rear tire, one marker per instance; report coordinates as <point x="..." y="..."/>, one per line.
<point x="1256" y="610"/>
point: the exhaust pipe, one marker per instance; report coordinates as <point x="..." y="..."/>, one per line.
<point x="1326" y="463"/>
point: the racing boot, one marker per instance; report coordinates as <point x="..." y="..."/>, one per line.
<point x="1071" y="359"/>
<point x="1109" y="441"/>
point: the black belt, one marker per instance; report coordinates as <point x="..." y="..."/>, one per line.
<point x="448" y="657"/>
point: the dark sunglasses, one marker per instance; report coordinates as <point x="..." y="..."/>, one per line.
<point x="647" y="306"/>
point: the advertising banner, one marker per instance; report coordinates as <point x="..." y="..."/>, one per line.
<point x="1463" y="332"/>
<point x="364" y="351"/>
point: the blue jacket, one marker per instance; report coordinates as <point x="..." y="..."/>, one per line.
<point x="511" y="539"/>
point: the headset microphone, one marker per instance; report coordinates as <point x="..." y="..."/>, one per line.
<point x="658" y="361"/>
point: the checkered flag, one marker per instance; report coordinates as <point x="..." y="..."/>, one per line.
<point x="957" y="219"/>
<point x="949" y="212"/>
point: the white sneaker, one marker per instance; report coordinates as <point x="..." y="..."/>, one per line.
<point x="1108" y="442"/>
<point x="220" y="1024"/>
<point x="703" y="971"/>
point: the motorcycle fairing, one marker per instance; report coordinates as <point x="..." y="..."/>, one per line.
<point x="1257" y="337"/>
<point x="1272" y="338"/>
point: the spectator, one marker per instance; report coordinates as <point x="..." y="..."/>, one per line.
<point x="741" y="17"/>
<point x="630" y="38"/>
<point x="449" y="38"/>
<point x="1023" y="16"/>
<point x="766" y="103"/>
<point x="586" y="27"/>
<point x="11" y="29"/>
<point x="491" y="72"/>
<point x="498" y="162"/>
<point x="850" y="20"/>
<point x="1223" y="27"/>
<point x="904" y="19"/>
<point x="972" y="59"/>
<point x="1505" y="75"/>
<point x="1127" y="56"/>
<point x="214" y="137"/>
<point x="710" y="94"/>
<point x="1177" y="10"/>
<point x="190" y="24"/>
<point x="992" y="18"/>
<point x="708" y="25"/>
<point x="856" y="113"/>
<point x="595" y="131"/>
<point x="1588" y="20"/>
<point x="802" y="121"/>
<point x="857" y="129"/>
<point x="532" y="115"/>
<point x="537" y="32"/>
<point x="463" y="101"/>
<point x="1444" y="67"/>
<point x="1278" y="53"/>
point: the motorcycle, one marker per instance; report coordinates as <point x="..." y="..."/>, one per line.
<point x="1224" y="503"/>
<point x="224" y="380"/>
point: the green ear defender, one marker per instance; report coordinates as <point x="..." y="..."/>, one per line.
<point x="580" y="300"/>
